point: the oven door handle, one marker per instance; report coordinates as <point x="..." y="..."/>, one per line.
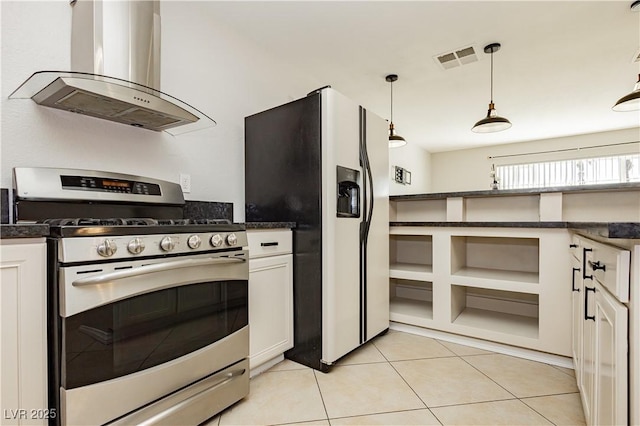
<point x="154" y="268"/>
<point x="168" y="412"/>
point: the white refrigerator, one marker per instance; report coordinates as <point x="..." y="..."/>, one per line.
<point x="322" y="162"/>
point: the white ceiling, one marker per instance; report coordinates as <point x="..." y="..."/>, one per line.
<point x="562" y="64"/>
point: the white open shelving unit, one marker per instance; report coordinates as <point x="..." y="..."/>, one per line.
<point x="506" y="285"/>
<point x="411" y="279"/>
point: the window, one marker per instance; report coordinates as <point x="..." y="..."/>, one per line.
<point x="584" y="171"/>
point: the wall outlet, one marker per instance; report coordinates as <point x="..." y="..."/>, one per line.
<point x="402" y="176"/>
<point x="185" y="183"/>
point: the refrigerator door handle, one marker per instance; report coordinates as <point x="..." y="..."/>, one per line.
<point x="365" y="225"/>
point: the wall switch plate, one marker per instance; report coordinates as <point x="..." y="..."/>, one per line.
<point x="185" y="182"/>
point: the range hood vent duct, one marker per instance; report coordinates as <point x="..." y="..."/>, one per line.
<point x="115" y="62"/>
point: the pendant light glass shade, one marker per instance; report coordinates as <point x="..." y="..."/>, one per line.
<point x="492" y="122"/>
<point x="631" y="102"/>
<point x="395" y="141"/>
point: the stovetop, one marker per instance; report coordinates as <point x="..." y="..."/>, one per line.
<point x="77" y="227"/>
<point x="104" y="239"/>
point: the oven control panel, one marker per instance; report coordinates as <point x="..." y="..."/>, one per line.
<point x="83" y="249"/>
<point x="93" y="183"/>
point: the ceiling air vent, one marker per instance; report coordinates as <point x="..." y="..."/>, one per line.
<point x="461" y="56"/>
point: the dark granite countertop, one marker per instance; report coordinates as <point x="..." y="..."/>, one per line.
<point x="515" y="192"/>
<point x="270" y="225"/>
<point x="621" y="230"/>
<point x="41" y="230"/>
<point x="618" y="230"/>
<point x="24" y="231"/>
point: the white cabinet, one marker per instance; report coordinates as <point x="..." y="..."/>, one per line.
<point x="23" y="337"/>
<point x="270" y="295"/>
<point x="506" y="285"/>
<point x="610" y="376"/>
<point x="600" y="330"/>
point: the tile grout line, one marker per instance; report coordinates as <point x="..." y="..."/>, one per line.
<point x="490" y="378"/>
<point x="315" y="377"/>
<point x="410" y="387"/>
<point x="380" y="413"/>
<point x="562" y="371"/>
<point x="542" y="396"/>
<point x="536" y="411"/>
<point x="549" y="394"/>
<point x="516" y="397"/>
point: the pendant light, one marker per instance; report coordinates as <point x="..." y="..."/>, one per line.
<point x="493" y="122"/>
<point x="630" y="102"/>
<point x="395" y="141"/>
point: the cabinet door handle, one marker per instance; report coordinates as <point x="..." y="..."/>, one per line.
<point x="573" y="246"/>
<point x="586" y="303"/>
<point x="597" y="265"/>
<point x="270" y="244"/>
<point x="573" y="280"/>
<point x="584" y="264"/>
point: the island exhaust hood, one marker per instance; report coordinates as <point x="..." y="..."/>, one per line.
<point x="115" y="62"/>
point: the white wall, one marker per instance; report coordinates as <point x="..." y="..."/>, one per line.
<point x="468" y="169"/>
<point x="416" y="160"/>
<point x="203" y="63"/>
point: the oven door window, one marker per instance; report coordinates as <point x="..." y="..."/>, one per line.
<point x="131" y="335"/>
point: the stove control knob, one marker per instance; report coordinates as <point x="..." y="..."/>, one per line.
<point x="107" y="248"/>
<point x="216" y="240"/>
<point x="135" y="246"/>
<point x="232" y="240"/>
<point x="194" y="241"/>
<point x="167" y="244"/>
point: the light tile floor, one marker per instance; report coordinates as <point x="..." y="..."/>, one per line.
<point x="406" y="379"/>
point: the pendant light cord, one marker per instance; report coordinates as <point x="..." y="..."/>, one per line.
<point x="492" y="75"/>
<point x="392" y="102"/>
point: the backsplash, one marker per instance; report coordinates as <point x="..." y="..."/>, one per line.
<point x="192" y="209"/>
<point x="208" y="210"/>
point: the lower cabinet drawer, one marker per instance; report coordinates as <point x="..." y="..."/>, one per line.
<point x="269" y="242"/>
<point x="610" y="266"/>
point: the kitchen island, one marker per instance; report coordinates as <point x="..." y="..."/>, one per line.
<point x="496" y="266"/>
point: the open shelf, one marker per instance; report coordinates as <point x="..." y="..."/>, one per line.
<point x="411" y="271"/>
<point x="421" y="211"/>
<point x="411" y="254"/>
<point x="400" y="307"/>
<point x="517" y="325"/>
<point x="501" y="284"/>
<point x="411" y="300"/>
<point x="496" y="258"/>
<point x="495" y="310"/>
<point x="498" y="275"/>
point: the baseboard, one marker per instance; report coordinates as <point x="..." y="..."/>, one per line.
<point x="266" y="365"/>
<point x="530" y="354"/>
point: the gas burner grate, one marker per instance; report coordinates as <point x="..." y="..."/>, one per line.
<point x="194" y="222"/>
<point x="87" y="221"/>
<point x="173" y="221"/>
<point x="210" y="221"/>
<point x="136" y="221"/>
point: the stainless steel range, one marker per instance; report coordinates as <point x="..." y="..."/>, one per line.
<point x="148" y="319"/>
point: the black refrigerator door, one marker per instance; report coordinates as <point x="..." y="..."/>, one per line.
<point x="283" y="182"/>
